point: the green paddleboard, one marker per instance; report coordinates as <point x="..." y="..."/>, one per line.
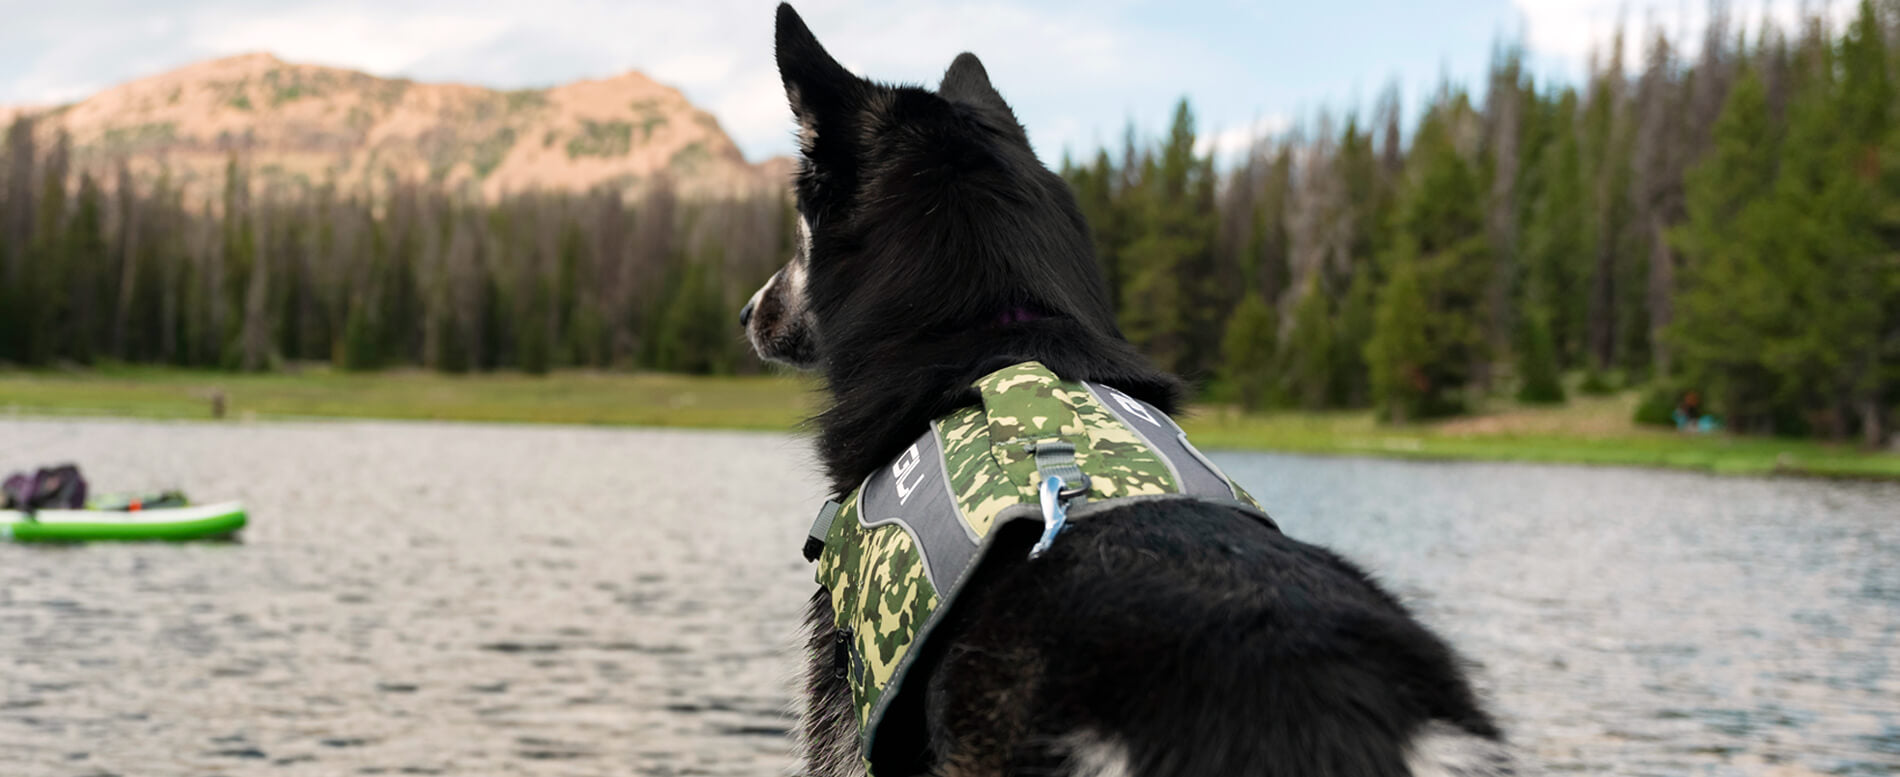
<point x="195" y="522"/>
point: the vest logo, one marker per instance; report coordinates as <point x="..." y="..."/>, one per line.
<point x="1132" y="406"/>
<point x="905" y="465"/>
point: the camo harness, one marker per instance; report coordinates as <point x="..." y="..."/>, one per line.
<point x="896" y="553"/>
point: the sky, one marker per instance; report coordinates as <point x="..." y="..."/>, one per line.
<point x="1076" y="73"/>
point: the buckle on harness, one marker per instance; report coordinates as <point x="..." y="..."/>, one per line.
<point x="1055" y="514"/>
<point x="820" y="529"/>
<point x="1055" y="461"/>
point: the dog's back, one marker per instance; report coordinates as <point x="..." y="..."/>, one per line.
<point x="1177" y="638"/>
<point x="1158" y="638"/>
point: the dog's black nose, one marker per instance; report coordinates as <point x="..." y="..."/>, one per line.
<point x="745" y="313"/>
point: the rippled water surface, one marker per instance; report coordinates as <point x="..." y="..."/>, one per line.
<point x="452" y="599"/>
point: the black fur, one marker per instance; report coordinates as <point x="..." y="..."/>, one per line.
<point x="1197" y="641"/>
<point x="1206" y="642"/>
<point x="931" y="218"/>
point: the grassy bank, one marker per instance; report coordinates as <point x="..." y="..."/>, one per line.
<point x="567" y="398"/>
<point x="1585" y="431"/>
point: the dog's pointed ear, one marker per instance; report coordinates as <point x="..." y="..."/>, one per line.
<point x="967" y="81"/>
<point x="820" y="89"/>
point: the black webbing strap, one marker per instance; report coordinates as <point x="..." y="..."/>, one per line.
<point x="820" y="528"/>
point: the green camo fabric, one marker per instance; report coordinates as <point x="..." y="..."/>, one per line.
<point x="876" y="575"/>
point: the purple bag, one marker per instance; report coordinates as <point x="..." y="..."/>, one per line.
<point x="51" y="488"/>
<point x="17" y="491"/>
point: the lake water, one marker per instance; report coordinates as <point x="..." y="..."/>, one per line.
<point x="491" y="600"/>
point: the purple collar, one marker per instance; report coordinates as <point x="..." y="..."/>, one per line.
<point x="1018" y="315"/>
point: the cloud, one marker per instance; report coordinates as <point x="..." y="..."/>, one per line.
<point x="1569" y="29"/>
<point x="1233" y="143"/>
<point x="1569" y="32"/>
<point x="365" y="38"/>
<point x="49" y="55"/>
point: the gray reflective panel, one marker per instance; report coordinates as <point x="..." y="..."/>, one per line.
<point x="1197" y="475"/>
<point x="912" y="492"/>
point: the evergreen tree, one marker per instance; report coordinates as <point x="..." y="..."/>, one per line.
<point x="42" y="300"/>
<point x="1729" y="295"/>
<point x="1371" y="192"/>
<point x="236" y="262"/>
<point x="1656" y="188"/>
<point x="1165" y="270"/>
<point x="534" y="335"/>
<point x="1310" y="349"/>
<point x="695" y="333"/>
<point x="83" y="252"/>
<point x="1557" y="239"/>
<point x="361" y="346"/>
<point x="1400" y="351"/>
<point x="1824" y="346"/>
<point x="1868" y="199"/>
<point x="1247" y="350"/>
<point x="1353" y="330"/>
<point x="1539" y="380"/>
<point x="1605" y="147"/>
<point x="1266" y="268"/>
<point x="1504" y="134"/>
<point x="16" y="232"/>
<point x="1094" y="187"/>
<point x="1429" y="324"/>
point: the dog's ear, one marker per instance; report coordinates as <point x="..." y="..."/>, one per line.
<point x="967" y="81"/>
<point x="821" y="91"/>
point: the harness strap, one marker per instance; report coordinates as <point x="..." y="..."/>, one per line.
<point x="1193" y="473"/>
<point x="1056" y="459"/>
<point x="820" y="528"/>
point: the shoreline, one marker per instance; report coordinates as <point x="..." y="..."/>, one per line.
<point x="1593" y="431"/>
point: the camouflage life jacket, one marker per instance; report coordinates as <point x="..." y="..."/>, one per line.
<point x="896" y="553"/>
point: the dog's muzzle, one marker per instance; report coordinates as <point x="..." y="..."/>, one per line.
<point x="745" y="313"/>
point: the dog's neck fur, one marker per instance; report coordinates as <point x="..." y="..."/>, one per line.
<point x="884" y="396"/>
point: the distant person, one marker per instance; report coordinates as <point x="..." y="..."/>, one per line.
<point x="1688" y="411"/>
<point x="1690" y="418"/>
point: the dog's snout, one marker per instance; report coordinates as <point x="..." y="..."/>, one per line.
<point x="745" y="313"/>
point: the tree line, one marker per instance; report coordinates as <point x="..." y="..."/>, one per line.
<point x="1725" y="225"/>
<point x="420" y="275"/>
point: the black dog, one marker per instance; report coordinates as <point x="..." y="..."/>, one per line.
<point x="1163" y="638"/>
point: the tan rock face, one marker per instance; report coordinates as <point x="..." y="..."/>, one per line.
<point x="297" y="125"/>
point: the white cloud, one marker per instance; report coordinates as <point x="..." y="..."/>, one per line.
<point x="699" y="69"/>
<point x="379" y="42"/>
<point x="1569" y="28"/>
<point x="1230" y="144"/>
<point x="754" y="112"/>
<point x="1570" y="31"/>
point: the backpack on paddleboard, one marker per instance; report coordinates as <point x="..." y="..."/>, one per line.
<point x="51" y="488"/>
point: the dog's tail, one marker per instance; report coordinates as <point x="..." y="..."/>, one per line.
<point x="1175" y="638"/>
